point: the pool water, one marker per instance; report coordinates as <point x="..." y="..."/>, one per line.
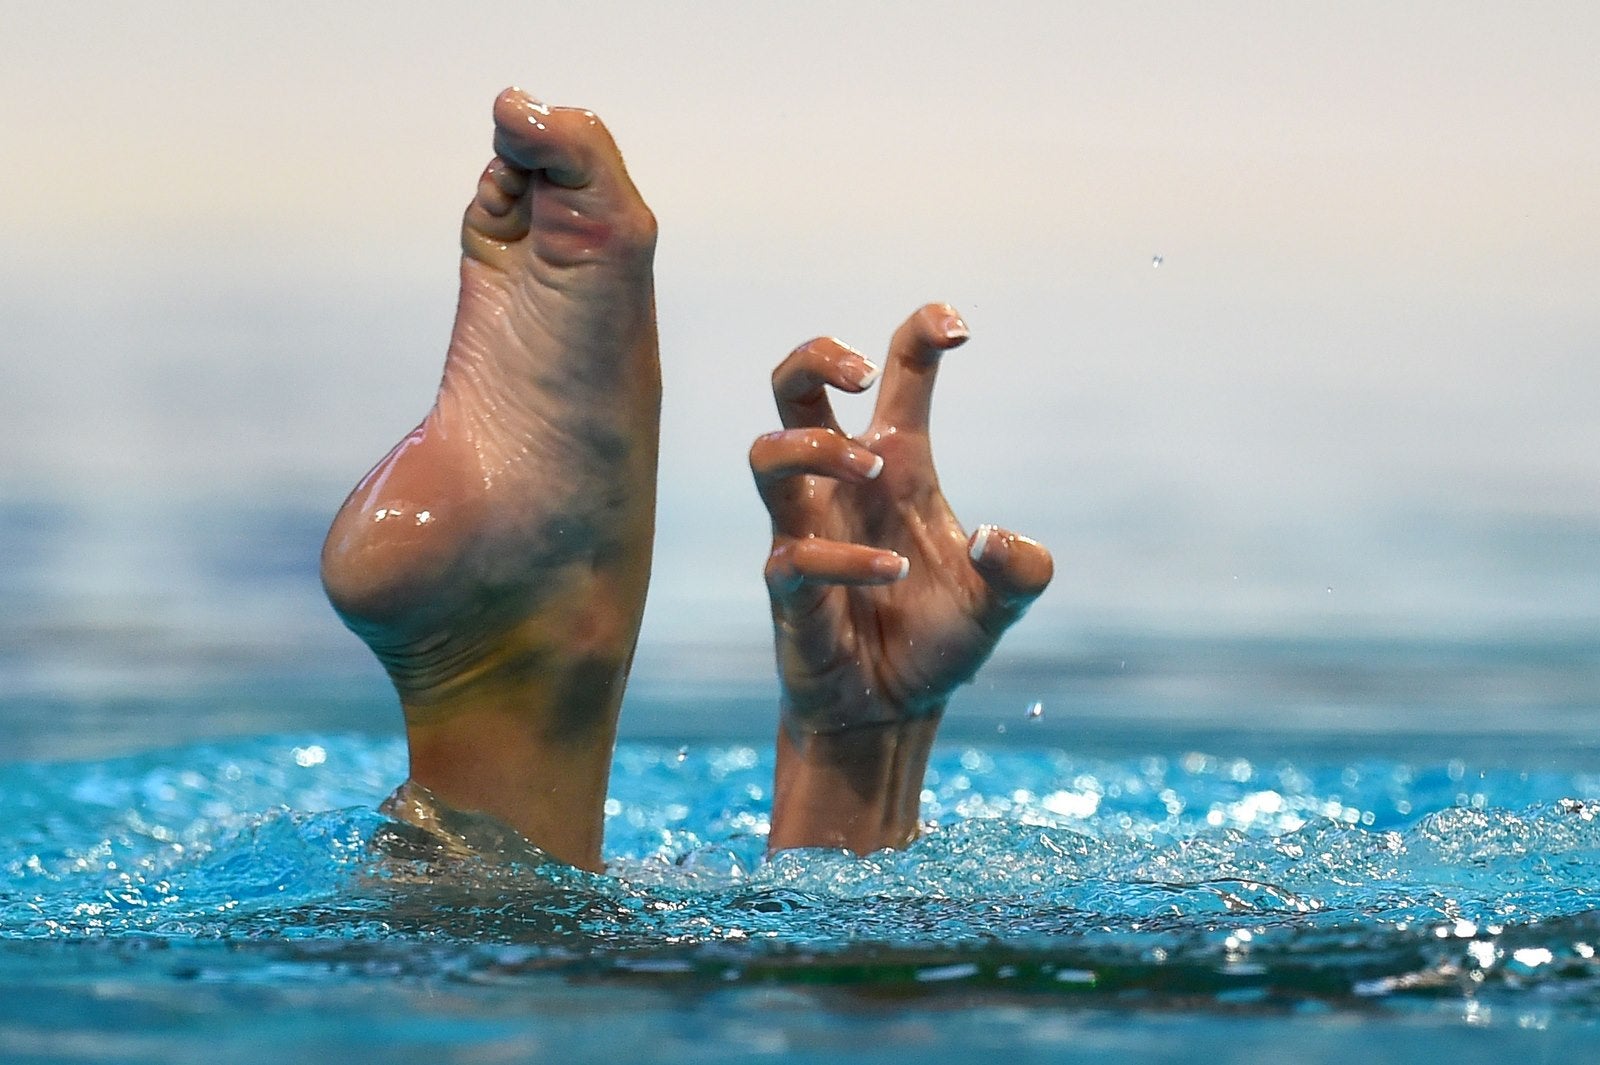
<point x="1060" y="905"/>
<point x="1289" y="847"/>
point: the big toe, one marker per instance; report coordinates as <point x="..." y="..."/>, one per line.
<point x="557" y="170"/>
<point x="568" y="144"/>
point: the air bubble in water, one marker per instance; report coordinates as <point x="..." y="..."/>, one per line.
<point x="683" y="755"/>
<point x="1035" y="712"/>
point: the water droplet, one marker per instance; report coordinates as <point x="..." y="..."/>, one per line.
<point x="306" y="757"/>
<point x="683" y="755"/>
<point x="1035" y="712"/>
<point x="1330" y="589"/>
<point x="1156" y="261"/>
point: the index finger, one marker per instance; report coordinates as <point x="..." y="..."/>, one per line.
<point x="799" y="383"/>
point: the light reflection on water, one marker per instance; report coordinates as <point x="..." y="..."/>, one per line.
<point x="1327" y="821"/>
<point x="1213" y="856"/>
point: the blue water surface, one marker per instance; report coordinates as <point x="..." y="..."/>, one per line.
<point x="1209" y="846"/>
<point x="251" y="889"/>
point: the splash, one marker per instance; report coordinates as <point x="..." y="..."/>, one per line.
<point x="1038" y="870"/>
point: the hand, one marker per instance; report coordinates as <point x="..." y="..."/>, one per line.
<point x="881" y="601"/>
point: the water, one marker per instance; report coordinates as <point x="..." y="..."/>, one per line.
<point x="251" y="887"/>
<point x="1212" y="846"/>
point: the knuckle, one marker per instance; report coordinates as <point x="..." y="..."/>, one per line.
<point x="638" y="226"/>
<point x="779" y="571"/>
<point x="811" y="348"/>
<point x="761" y="449"/>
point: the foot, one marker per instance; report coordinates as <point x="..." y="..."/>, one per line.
<point x="882" y="603"/>
<point x="496" y="560"/>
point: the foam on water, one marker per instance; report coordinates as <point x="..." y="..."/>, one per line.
<point x="1042" y="871"/>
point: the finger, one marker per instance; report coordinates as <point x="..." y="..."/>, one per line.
<point x="800" y="380"/>
<point x="906" y="396"/>
<point x="571" y="147"/>
<point x="795" y="564"/>
<point x="779" y="460"/>
<point x="1014" y="568"/>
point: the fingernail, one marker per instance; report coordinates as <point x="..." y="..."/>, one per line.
<point x="955" y="329"/>
<point x="871" y="472"/>
<point x="980" y="542"/>
<point x="892" y="566"/>
<point x="872" y="372"/>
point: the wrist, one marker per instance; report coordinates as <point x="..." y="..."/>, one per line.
<point x="857" y="787"/>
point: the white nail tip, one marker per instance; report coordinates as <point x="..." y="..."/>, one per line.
<point x="877" y="468"/>
<point x="980" y="542"/>
<point x="870" y="378"/>
<point x="905" y="568"/>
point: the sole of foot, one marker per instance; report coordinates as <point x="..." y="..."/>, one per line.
<point x="496" y="559"/>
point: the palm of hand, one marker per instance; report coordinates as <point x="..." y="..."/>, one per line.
<point x="856" y="654"/>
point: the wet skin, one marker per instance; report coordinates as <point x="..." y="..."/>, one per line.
<point x="882" y="604"/>
<point x="496" y="559"/>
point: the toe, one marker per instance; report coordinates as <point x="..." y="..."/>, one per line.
<point x="538" y="137"/>
<point x="499" y="211"/>
<point x="562" y="176"/>
<point x="498" y="193"/>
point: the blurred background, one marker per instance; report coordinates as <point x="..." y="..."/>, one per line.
<point x="1335" y="459"/>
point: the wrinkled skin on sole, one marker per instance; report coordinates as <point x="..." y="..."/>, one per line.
<point x="496" y="559"/>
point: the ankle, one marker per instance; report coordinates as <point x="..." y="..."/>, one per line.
<point x="548" y="784"/>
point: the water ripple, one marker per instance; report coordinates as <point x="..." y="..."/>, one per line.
<point x="1038" y="870"/>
